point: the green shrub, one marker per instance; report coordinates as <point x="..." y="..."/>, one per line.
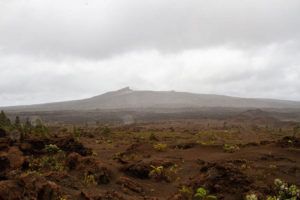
<point x="40" y="129"/>
<point x="284" y="191"/>
<point x="4" y="120"/>
<point x="76" y="132"/>
<point x="230" y="148"/>
<point x="186" y="192"/>
<point x="153" y="137"/>
<point x="52" y="148"/>
<point x="251" y="197"/>
<point x="52" y="163"/>
<point x="203" y="194"/>
<point x="89" y="179"/>
<point x="157" y="173"/>
<point x="106" y="131"/>
<point x="160" y="147"/>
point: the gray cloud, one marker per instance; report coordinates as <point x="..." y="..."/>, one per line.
<point x="64" y="49"/>
<point x="104" y="28"/>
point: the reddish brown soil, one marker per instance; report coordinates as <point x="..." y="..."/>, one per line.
<point x="119" y="163"/>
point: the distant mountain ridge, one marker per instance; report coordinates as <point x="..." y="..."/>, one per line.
<point x="127" y="98"/>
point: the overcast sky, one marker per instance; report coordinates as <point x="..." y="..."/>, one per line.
<point x="55" y="50"/>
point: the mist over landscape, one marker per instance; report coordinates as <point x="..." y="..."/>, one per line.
<point x="149" y="100"/>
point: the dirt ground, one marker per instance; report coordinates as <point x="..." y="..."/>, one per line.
<point x="150" y="161"/>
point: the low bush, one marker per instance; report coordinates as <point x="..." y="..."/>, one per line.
<point x="203" y="194"/>
<point x="186" y="192"/>
<point x="52" y="163"/>
<point x="251" y="197"/>
<point x="157" y="173"/>
<point x="285" y="191"/>
<point x="160" y="147"/>
<point x="230" y="148"/>
<point x="89" y="179"/>
<point x="52" y="148"/>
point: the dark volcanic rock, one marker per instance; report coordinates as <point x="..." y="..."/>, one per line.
<point x="33" y="145"/>
<point x="69" y="144"/>
<point x="139" y="170"/>
<point x="4" y="166"/>
<point x="289" y="142"/>
<point x="2" y="133"/>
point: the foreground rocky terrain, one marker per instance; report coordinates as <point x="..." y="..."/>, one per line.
<point x="166" y="160"/>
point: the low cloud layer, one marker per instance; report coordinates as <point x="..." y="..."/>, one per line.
<point x="60" y="50"/>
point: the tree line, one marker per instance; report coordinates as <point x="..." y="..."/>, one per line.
<point x="24" y="128"/>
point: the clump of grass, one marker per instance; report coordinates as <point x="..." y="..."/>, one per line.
<point x="160" y="147"/>
<point x="53" y="163"/>
<point x="106" y="131"/>
<point x="153" y="137"/>
<point x="186" y="192"/>
<point x="251" y="197"/>
<point x="172" y="173"/>
<point x="157" y="173"/>
<point x="52" y="148"/>
<point x="206" y="143"/>
<point x="94" y="153"/>
<point x="160" y="173"/>
<point x="282" y="190"/>
<point x="203" y="194"/>
<point x="285" y="191"/>
<point x="230" y="148"/>
<point x="89" y="179"/>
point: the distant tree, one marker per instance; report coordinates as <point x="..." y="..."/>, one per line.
<point x="38" y="123"/>
<point x="27" y="126"/>
<point x="296" y="130"/>
<point x="76" y="132"/>
<point x="225" y="125"/>
<point x="106" y="131"/>
<point x="40" y="128"/>
<point x="17" y="122"/>
<point x="4" y="120"/>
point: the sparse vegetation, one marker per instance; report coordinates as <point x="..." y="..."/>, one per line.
<point x="230" y="148"/>
<point x="106" y="131"/>
<point x="130" y="158"/>
<point x="285" y="191"/>
<point x="153" y="137"/>
<point x="251" y="197"/>
<point x="89" y="179"/>
<point x="296" y="130"/>
<point x="161" y="173"/>
<point x="203" y="194"/>
<point x="186" y="192"/>
<point x="160" y="147"/>
<point x="52" y="163"/>
<point x="157" y="173"/>
<point x="4" y="120"/>
<point x="52" y="148"/>
<point x="40" y="129"/>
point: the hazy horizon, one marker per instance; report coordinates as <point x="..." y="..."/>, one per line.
<point x="141" y="90"/>
<point x="59" y="50"/>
